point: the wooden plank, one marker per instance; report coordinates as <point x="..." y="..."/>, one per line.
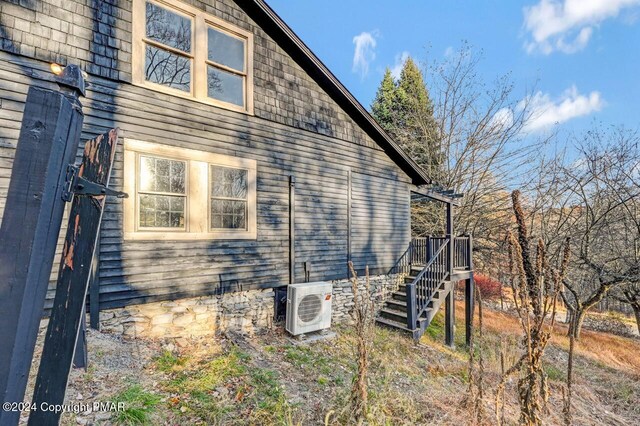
<point x="48" y="141"/>
<point x="80" y="356"/>
<point x="75" y="267"/>
<point x="94" y="288"/>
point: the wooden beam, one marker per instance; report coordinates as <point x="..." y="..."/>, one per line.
<point x="71" y="289"/>
<point x="48" y="142"/>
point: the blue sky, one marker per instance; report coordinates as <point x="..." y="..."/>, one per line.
<point x="583" y="55"/>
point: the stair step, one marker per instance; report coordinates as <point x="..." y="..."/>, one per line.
<point x="393" y="314"/>
<point x="398" y="305"/>
<point x="394" y="324"/>
<point x="398" y="295"/>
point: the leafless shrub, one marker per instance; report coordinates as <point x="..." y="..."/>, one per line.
<point x="476" y="375"/>
<point x="363" y="315"/>
<point x="535" y="285"/>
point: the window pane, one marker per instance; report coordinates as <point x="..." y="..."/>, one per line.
<point x="162" y="175"/>
<point x="168" y="69"/>
<point x="228" y="183"/>
<point x="168" y="28"/>
<point x="161" y="211"/>
<point x="225" y="86"/>
<point x="226" y="50"/>
<point x="228" y="214"/>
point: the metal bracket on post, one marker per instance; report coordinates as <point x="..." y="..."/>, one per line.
<point x="77" y="185"/>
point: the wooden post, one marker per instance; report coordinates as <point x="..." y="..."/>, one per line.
<point x="80" y="354"/>
<point x="429" y="252"/>
<point x="48" y="142"/>
<point x="73" y="277"/>
<point x="292" y="229"/>
<point x="94" y="289"/>
<point x="411" y="306"/>
<point x="449" y="317"/>
<point x="450" y="304"/>
<point x="469" y="294"/>
<point x="450" y="237"/>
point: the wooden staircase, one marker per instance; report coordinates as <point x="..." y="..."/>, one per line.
<point x="394" y="312"/>
<point x="430" y="270"/>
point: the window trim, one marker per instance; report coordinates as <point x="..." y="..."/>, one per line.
<point x="197" y="209"/>
<point x="199" y="55"/>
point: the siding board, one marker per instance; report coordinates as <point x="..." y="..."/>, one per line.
<point x="308" y="136"/>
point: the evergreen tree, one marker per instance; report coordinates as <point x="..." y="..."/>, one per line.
<point x="383" y="107"/>
<point x="405" y="111"/>
<point x="416" y="128"/>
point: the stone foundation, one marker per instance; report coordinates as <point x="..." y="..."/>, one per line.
<point x="381" y="287"/>
<point x="243" y="312"/>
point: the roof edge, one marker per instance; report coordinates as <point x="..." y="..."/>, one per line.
<point x="282" y="34"/>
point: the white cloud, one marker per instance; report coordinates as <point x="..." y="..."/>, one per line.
<point x="546" y="112"/>
<point x="567" y="25"/>
<point x="364" y="52"/>
<point x="396" y="69"/>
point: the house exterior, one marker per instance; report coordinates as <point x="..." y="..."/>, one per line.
<point x="247" y="163"/>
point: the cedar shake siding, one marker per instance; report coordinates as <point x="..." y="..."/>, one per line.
<point x="295" y="129"/>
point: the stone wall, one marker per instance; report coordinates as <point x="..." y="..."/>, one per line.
<point x="244" y="312"/>
<point x="381" y="287"/>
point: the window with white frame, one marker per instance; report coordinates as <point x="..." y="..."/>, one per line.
<point x="181" y="50"/>
<point x="183" y="194"/>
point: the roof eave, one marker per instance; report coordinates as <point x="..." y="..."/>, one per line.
<point x="273" y="25"/>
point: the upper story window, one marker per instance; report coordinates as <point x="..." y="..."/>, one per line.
<point x="180" y="50"/>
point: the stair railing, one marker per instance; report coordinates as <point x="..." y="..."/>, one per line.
<point x="421" y="289"/>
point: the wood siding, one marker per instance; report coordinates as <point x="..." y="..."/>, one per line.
<point x="136" y="272"/>
<point x="297" y="130"/>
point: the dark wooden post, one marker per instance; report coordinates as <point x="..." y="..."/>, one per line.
<point x="449" y="317"/>
<point x="449" y="311"/>
<point x="411" y="306"/>
<point x="48" y="142"/>
<point x="292" y="229"/>
<point x="94" y="289"/>
<point x="73" y="277"/>
<point x="80" y="355"/>
<point x="450" y="237"/>
<point x="469" y="293"/>
<point x="428" y="252"/>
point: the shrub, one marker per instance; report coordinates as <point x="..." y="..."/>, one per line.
<point x="489" y="287"/>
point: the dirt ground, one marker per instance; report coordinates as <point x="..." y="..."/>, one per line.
<point x="271" y="379"/>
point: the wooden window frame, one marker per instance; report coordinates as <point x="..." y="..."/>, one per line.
<point x="201" y="21"/>
<point x="197" y="207"/>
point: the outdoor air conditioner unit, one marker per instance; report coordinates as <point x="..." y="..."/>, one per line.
<point x="308" y="307"/>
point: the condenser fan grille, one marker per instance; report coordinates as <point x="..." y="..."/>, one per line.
<point x="309" y="307"/>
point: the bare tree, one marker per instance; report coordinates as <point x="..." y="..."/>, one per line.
<point x="592" y="197"/>
<point x="630" y="294"/>
<point x="482" y="127"/>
